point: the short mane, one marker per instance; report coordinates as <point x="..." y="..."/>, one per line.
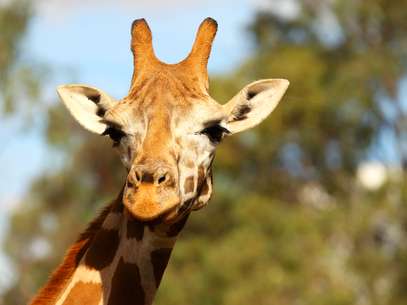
<point x="60" y="277"/>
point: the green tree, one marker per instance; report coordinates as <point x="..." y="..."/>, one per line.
<point x="289" y="222"/>
<point x="19" y="86"/>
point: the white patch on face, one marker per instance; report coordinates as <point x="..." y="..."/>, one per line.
<point x="127" y="149"/>
<point x="134" y="127"/>
<point x="195" y="149"/>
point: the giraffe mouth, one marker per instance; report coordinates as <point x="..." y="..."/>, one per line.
<point x="146" y="204"/>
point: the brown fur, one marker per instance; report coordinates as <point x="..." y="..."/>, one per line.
<point x="84" y="293"/>
<point x="61" y="276"/>
<point x="135" y="229"/>
<point x="103" y="249"/>
<point x="159" y="259"/>
<point x="126" y="285"/>
<point x="205" y="188"/>
<point x="189" y="185"/>
<point x="201" y="175"/>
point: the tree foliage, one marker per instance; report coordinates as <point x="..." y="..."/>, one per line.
<point x="19" y="85"/>
<point x="290" y="223"/>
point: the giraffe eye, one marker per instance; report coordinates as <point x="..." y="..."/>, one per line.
<point x="115" y="134"/>
<point x="215" y="133"/>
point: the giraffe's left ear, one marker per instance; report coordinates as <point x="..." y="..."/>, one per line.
<point x="254" y="103"/>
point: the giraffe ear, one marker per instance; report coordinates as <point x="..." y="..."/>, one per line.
<point x="254" y="103"/>
<point x="87" y="105"/>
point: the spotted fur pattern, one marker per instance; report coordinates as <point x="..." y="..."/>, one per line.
<point x="166" y="131"/>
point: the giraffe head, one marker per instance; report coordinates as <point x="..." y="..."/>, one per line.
<point x="167" y="128"/>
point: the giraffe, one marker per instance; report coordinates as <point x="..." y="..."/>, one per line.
<point x="166" y="131"/>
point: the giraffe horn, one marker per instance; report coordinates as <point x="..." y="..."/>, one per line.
<point x="142" y="45"/>
<point x="199" y="55"/>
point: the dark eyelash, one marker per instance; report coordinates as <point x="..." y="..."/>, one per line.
<point x="115" y="134"/>
<point x="215" y="133"/>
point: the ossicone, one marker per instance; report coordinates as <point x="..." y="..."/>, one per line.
<point x="195" y="63"/>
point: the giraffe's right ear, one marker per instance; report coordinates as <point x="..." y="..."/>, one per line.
<point x="87" y="105"/>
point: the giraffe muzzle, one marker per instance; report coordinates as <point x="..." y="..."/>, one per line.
<point x="150" y="194"/>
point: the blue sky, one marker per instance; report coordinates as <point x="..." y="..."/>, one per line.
<point x="88" y="42"/>
<point x="96" y="43"/>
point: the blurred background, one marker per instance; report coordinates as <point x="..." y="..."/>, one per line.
<point x="309" y="208"/>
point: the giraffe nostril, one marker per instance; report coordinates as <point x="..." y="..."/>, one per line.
<point x="146" y="175"/>
<point x="129" y="184"/>
<point x="138" y="176"/>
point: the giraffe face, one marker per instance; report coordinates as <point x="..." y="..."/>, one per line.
<point x="166" y="137"/>
<point x="167" y="128"/>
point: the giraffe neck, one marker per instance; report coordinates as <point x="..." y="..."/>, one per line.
<point x="116" y="261"/>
